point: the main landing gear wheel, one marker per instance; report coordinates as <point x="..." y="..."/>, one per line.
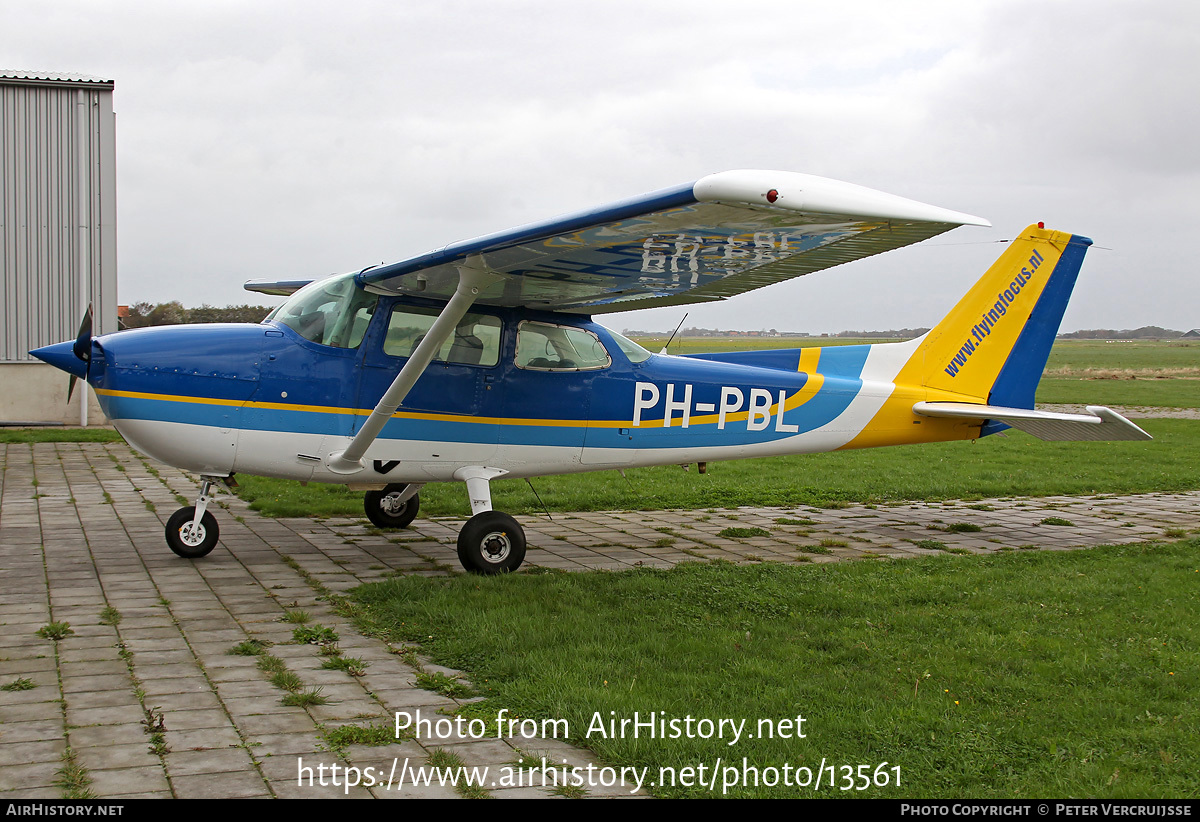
<point x="188" y="539"/>
<point x="491" y="543"/>
<point x="384" y="510"/>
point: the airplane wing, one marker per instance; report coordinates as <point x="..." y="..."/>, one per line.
<point x="275" y="288"/>
<point x="723" y="235"/>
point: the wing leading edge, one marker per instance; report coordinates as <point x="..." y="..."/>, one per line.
<point x="723" y="235"/>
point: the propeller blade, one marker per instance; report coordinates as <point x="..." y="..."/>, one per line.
<point x="83" y="342"/>
<point x="82" y="349"/>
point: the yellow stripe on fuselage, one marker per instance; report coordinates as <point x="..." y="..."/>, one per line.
<point x="809" y="358"/>
<point x="360" y="412"/>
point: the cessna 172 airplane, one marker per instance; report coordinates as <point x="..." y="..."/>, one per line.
<point x="480" y="360"/>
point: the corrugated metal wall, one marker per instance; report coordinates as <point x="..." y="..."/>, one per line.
<point x="57" y="208"/>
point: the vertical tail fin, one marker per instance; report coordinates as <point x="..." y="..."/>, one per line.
<point x="993" y="345"/>
<point x="990" y="350"/>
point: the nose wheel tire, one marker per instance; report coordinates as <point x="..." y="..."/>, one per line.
<point x="491" y="543"/>
<point x="385" y="511"/>
<point x="189" y="540"/>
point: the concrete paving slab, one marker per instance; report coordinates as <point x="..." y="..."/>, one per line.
<point x="17" y="779"/>
<point x="223" y="760"/>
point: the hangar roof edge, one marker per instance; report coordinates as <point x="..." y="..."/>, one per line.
<point x="19" y="77"/>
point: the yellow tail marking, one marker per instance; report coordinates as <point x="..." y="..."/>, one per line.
<point x="975" y="338"/>
<point x="809" y="360"/>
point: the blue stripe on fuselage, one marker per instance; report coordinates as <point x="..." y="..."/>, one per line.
<point x="209" y="375"/>
<point x="616" y="411"/>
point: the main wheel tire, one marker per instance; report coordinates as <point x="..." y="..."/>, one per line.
<point x="383" y="510"/>
<point x="188" y="541"/>
<point x="491" y="543"/>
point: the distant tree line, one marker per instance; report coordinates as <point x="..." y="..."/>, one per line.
<point x="143" y="315"/>
<point x="1146" y="332"/>
<point x="894" y="333"/>
<point x="711" y="332"/>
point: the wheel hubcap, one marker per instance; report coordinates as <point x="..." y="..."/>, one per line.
<point x="391" y="506"/>
<point x="191" y="534"/>
<point x="496" y="547"/>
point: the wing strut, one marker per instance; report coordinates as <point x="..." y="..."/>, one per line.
<point x="473" y="277"/>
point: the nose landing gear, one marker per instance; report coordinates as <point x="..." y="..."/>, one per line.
<point x="192" y="531"/>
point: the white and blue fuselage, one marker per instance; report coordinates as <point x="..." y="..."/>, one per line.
<point x="264" y="400"/>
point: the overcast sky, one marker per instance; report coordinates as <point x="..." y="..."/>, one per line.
<point x="298" y="139"/>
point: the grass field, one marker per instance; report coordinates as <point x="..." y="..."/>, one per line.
<point x="1165" y="392"/>
<point x="1146" y="357"/>
<point x="1017" y="675"/>
<point x="1013" y="465"/>
<point x="1100" y="372"/>
<point x="58" y="435"/>
<point x="1164" y="373"/>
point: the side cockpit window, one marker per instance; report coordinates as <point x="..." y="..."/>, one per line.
<point x="629" y="348"/>
<point x="546" y="347"/>
<point x="475" y="341"/>
<point x="332" y="312"/>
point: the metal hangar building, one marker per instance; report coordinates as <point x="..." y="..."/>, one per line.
<point x="58" y="233"/>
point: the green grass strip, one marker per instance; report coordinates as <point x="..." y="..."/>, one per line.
<point x="1027" y="674"/>
<point x="1013" y="465"/>
<point x="56" y="434"/>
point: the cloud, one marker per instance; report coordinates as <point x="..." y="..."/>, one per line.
<point x="296" y="139"/>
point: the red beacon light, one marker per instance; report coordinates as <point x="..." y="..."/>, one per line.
<point x="1041" y="224"/>
<point x="772" y="195"/>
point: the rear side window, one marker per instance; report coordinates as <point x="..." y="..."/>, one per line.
<point x="546" y="347"/>
<point x="475" y="341"/>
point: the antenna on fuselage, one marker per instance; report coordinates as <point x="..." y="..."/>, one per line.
<point x="539" y="499"/>
<point x="673" y="333"/>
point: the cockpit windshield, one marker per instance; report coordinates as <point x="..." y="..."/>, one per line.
<point x="333" y="312"/>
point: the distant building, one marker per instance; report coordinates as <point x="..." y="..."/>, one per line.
<point x="58" y="232"/>
<point x="1195" y="332"/>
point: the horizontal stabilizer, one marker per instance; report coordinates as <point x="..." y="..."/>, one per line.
<point x="1099" y="424"/>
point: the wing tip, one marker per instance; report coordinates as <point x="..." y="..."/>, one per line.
<point x="275" y="288"/>
<point x="809" y="193"/>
